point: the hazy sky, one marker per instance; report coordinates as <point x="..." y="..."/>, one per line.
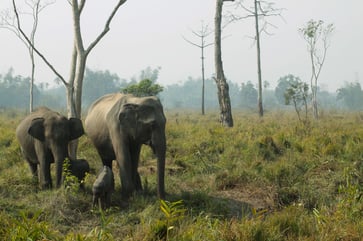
<point x="149" y="33"/>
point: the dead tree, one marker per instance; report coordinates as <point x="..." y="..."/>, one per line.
<point x="260" y="10"/>
<point x="78" y="59"/>
<point x="222" y="85"/>
<point x="8" y="21"/>
<point x="202" y="34"/>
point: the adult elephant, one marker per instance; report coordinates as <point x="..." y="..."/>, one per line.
<point x="44" y="136"/>
<point x="118" y="125"/>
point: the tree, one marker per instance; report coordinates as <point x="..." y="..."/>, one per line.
<point x="352" y="95"/>
<point x="79" y="54"/>
<point x="222" y="85"/>
<point x="259" y="73"/>
<point x="202" y="34"/>
<point x="261" y="9"/>
<point x="147" y="73"/>
<point x="249" y="95"/>
<point x="317" y="36"/>
<point x="144" y="88"/>
<point x="14" y="90"/>
<point x="78" y="60"/>
<point x="297" y="94"/>
<point x="283" y="84"/>
<point x="99" y="83"/>
<point x="8" y="21"/>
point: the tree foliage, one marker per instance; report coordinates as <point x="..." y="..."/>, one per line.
<point x="297" y="94"/>
<point x="145" y="83"/>
<point x="14" y="93"/>
<point x="284" y="83"/>
<point x="144" y="88"/>
<point x="351" y="95"/>
<point x="249" y="95"/>
<point x="99" y="83"/>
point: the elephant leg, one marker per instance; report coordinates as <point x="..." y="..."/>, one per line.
<point x="122" y="151"/>
<point x="45" y="177"/>
<point x="107" y="154"/>
<point x="108" y="199"/>
<point x="126" y="179"/>
<point x="123" y="158"/>
<point x="44" y="156"/>
<point x="103" y="200"/>
<point x="33" y="169"/>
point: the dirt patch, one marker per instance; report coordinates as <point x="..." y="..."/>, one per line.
<point x="256" y="197"/>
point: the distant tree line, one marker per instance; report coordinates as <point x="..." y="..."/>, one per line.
<point x="14" y="92"/>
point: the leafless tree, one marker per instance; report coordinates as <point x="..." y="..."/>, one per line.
<point x="259" y="11"/>
<point x="203" y="33"/>
<point x="222" y="85"/>
<point x="8" y="21"/>
<point x="317" y="36"/>
<point x="78" y="59"/>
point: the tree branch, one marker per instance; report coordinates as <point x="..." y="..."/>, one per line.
<point x="33" y="47"/>
<point x="197" y="45"/>
<point x="106" y="28"/>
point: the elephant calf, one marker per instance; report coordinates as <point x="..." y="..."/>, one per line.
<point x="103" y="188"/>
<point x="79" y="168"/>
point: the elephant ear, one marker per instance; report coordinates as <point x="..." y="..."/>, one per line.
<point x="36" y="129"/>
<point x="128" y="114"/>
<point x="76" y="128"/>
<point x="146" y="115"/>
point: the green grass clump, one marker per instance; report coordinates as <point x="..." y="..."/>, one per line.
<point x="268" y="178"/>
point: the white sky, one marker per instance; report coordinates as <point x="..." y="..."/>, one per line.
<point x="149" y="33"/>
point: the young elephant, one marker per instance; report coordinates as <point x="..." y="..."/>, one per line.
<point x="103" y="188"/>
<point x="44" y="136"/>
<point x="79" y="168"/>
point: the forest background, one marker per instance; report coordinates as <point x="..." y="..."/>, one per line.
<point x="14" y="92"/>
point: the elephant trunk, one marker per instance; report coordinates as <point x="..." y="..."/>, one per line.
<point x="60" y="154"/>
<point x="159" y="147"/>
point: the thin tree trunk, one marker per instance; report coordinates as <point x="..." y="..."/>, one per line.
<point x="203" y="77"/>
<point x="222" y="85"/>
<point x="79" y="83"/>
<point x="260" y="105"/>
<point x="314" y="86"/>
<point x="31" y="89"/>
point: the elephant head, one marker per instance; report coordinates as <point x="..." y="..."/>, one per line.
<point x="144" y="121"/>
<point x="54" y="133"/>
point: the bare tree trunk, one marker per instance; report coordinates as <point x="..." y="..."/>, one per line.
<point x="222" y="85"/>
<point x="31" y="87"/>
<point x="202" y="35"/>
<point x="79" y="83"/>
<point x="314" y="87"/>
<point x="260" y="105"/>
<point x="203" y="78"/>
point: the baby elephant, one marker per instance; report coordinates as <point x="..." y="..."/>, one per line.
<point x="79" y="168"/>
<point x="103" y="187"/>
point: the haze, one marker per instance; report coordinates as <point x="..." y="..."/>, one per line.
<point x="149" y="33"/>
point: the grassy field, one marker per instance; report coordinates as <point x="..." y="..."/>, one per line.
<point x="264" y="179"/>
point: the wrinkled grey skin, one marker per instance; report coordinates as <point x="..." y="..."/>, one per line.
<point x="44" y="136"/>
<point x="103" y="188"/>
<point x="79" y="168"/>
<point x="118" y="125"/>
